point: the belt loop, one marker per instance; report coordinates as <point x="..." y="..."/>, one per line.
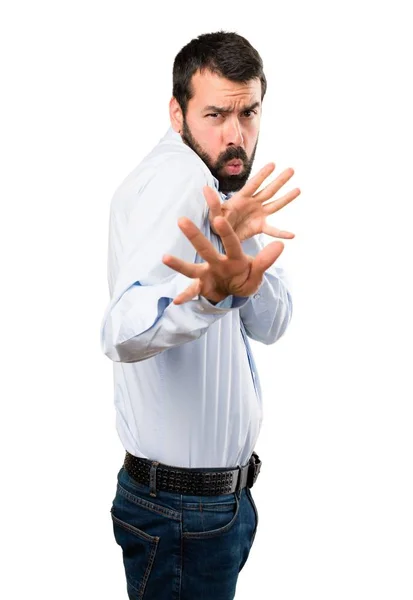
<point x="239" y="479"/>
<point x="242" y="477"/>
<point x="152" y="478"/>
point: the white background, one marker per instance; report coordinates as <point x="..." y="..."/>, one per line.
<point x="86" y="87"/>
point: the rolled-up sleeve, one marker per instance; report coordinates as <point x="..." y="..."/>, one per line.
<point x="268" y="312"/>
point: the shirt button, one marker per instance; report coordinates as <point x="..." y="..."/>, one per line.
<point x="257" y="296"/>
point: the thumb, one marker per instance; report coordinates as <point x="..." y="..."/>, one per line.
<point x="213" y="201"/>
<point x="266" y="257"/>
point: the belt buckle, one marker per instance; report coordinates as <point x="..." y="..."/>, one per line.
<point x="253" y="470"/>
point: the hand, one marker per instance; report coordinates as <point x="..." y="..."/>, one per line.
<point x="246" y="212"/>
<point x="221" y="275"/>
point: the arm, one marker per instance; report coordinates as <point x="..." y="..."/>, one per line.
<point x="141" y="319"/>
<point x="145" y="321"/>
<point x="267" y="313"/>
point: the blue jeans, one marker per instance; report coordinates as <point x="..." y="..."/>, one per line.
<point x="181" y="547"/>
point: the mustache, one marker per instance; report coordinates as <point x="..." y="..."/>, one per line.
<point x="230" y="154"/>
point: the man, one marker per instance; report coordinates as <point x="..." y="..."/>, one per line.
<point x="184" y="301"/>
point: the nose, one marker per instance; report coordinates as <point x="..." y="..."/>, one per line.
<point x="233" y="133"/>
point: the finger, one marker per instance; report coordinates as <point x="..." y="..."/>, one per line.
<point x="213" y="201"/>
<point x="181" y="266"/>
<point x="272" y="207"/>
<point x="278" y="233"/>
<point x="273" y="187"/>
<point x="230" y="240"/>
<point x="254" y="183"/>
<point x="201" y="244"/>
<point x="193" y="290"/>
<point x="265" y="258"/>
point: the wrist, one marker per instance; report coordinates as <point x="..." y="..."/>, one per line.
<point x="215" y="298"/>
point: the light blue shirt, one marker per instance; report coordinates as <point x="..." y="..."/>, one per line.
<point x="186" y="387"/>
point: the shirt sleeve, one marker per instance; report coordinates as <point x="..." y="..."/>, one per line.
<point x="268" y="312"/>
<point x="141" y="319"/>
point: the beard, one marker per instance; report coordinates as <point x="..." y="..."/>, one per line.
<point x="227" y="182"/>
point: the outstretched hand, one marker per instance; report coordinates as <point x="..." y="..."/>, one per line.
<point x="246" y="211"/>
<point x="221" y="275"/>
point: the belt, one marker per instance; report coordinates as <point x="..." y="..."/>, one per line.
<point x="194" y="482"/>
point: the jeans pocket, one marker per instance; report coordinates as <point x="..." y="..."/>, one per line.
<point x="207" y="519"/>
<point x="138" y="549"/>
<point x="248" y="491"/>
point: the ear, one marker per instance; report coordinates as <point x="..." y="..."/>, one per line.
<point x="175" y="114"/>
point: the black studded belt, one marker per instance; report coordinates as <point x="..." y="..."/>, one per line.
<point x="193" y="482"/>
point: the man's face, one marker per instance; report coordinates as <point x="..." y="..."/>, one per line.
<point x="222" y="125"/>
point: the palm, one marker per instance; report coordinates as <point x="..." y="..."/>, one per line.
<point x="220" y="275"/>
<point x="246" y="218"/>
<point x="246" y="211"/>
<point x="234" y="276"/>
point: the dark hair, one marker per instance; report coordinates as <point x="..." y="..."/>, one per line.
<point x="225" y="53"/>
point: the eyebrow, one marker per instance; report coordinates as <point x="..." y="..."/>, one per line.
<point x="223" y="109"/>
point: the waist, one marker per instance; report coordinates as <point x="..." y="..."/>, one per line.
<point x="191" y="481"/>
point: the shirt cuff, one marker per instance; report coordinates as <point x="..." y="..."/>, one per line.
<point x="229" y="303"/>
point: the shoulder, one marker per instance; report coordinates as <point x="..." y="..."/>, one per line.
<point x="168" y="169"/>
<point x="172" y="158"/>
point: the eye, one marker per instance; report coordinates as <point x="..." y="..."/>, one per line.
<point x="213" y="115"/>
<point x="249" y="113"/>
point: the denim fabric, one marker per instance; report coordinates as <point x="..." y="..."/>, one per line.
<point x="181" y="547"/>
